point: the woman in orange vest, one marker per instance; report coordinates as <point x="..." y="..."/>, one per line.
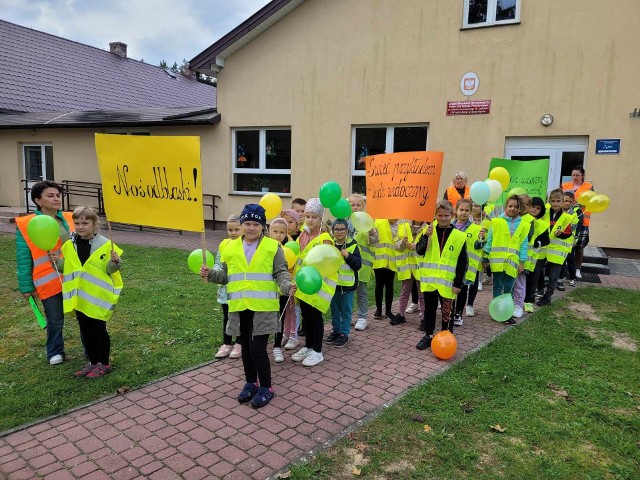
<point x="458" y="189"/>
<point x="578" y="186"/>
<point x="36" y="275"/>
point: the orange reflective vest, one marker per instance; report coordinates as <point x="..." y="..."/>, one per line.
<point x="453" y="196"/>
<point x="585" y="187"/>
<point x="45" y="278"/>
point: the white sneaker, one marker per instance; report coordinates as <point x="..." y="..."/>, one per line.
<point x="361" y="324"/>
<point x="470" y="311"/>
<point x="518" y="312"/>
<point x="479" y="286"/>
<point x="301" y="354"/>
<point x="411" y="308"/>
<point x="236" y="351"/>
<point x="578" y="274"/>
<point x="312" y="359"/>
<point x="457" y="321"/>
<point x="291" y="343"/>
<point x="56" y="360"/>
<point x="277" y="355"/>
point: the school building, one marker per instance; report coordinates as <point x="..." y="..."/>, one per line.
<point x="306" y="88"/>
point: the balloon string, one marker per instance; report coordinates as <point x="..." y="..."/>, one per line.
<point x="55" y="265"/>
<point x="284" y="310"/>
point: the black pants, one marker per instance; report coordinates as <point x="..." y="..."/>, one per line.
<point x="431" y="300"/>
<point x="384" y="283"/>
<point x="255" y="359"/>
<point x="414" y="293"/>
<point x="314" y="324"/>
<point x="553" y="270"/>
<point x="226" y="339"/>
<point x="95" y="338"/>
<point x="277" y="342"/>
<point x="467" y="295"/>
<point x="533" y="280"/>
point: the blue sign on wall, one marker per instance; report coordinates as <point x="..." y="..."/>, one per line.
<point x="609" y="146"/>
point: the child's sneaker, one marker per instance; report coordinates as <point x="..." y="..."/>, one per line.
<point x="341" y="341"/>
<point x="85" y="371"/>
<point x="518" y="311"/>
<point x="247" y="392"/>
<point x="511" y="322"/>
<point x="572" y="283"/>
<point x="425" y="342"/>
<point x="470" y="311"/>
<point x="411" y="308"/>
<point x="301" y="354"/>
<point x="313" y="359"/>
<point x="277" y="355"/>
<point x="544" y="300"/>
<point x="560" y="286"/>
<point x="528" y="307"/>
<point x="291" y="343"/>
<point x="397" y="320"/>
<point x="479" y="286"/>
<point x="223" y="351"/>
<point x="457" y="320"/>
<point x="56" y="360"/>
<point x="361" y="324"/>
<point x="262" y="397"/>
<point x="377" y="314"/>
<point x="333" y="336"/>
<point x="99" y="370"/>
<point x="578" y="274"/>
<point x="236" y="351"/>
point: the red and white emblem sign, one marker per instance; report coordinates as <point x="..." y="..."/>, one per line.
<point x="469" y="83"/>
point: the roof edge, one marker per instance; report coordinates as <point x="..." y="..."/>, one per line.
<point x="156" y="123"/>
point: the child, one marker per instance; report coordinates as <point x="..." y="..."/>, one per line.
<point x="520" y="286"/>
<point x="278" y="231"/>
<point x="253" y="300"/>
<point x="313" y="306"/>
<point x="480" y="217"/>
<point x="92" y="285"/>
<point x="536" y="256"/>
<point x="342" y="301"/>
<point x="384" y="265"/>
<point x="474" y="253"/>
<point x="407" y="267"/>
<point x="298" y="205"/>
<point x="506" y="247"/>
<point x="226" y="349"/>
<point x="560" y="242"/>
<point x="442" y="269"/>
<point x="293" y="222"/>
<point x="570" y="207"/>
<point x="364" y="240"/>
<point x="417" y="300"/>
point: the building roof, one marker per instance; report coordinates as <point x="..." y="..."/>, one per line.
<point x="212" y="59"/>
<point x="45" y="73"/>
<point x="110" y="118"/>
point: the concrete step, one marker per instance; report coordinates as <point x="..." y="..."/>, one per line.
<point x="595" y="268"/>
<point x="595" y="255"/>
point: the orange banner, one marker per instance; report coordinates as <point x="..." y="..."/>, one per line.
<point x="403" y="185"/>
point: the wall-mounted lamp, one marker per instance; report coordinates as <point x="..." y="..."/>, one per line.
<point x="546" y="119"/>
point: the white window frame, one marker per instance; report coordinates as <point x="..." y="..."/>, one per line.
<point x="262" y="159"/>
<point x="491" y="15"/>
<point x="388" y="148"/>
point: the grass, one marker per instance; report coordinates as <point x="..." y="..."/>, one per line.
<point x="564" y="386"/>
<point x="167" y="320"/>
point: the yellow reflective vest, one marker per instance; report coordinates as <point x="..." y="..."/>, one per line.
<point x="384" y="251"/>
<point x="438" y="271"/>
<point x="474" y="255"/>
<point x="346" y="275"/>
<point x="88" y="288"/>
<point x="505" y="248"/>
<point x="559" y="248"/>
<point x="251" y="286"/>
<point x="366" y="254"/>
<point x="535" y="254"/>
<point x="406" y="260"/>
<point x="322" y="299"/>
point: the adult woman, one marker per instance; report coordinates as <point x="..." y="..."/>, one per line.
<point x="36" y="274"/>
<point x="458" y="189"/>
<point x="578" y="186"/>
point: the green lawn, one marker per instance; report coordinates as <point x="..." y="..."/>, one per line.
<point x="564" y="386"/>
<point x="167" y="320"/>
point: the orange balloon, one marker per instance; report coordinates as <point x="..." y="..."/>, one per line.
<point x="444" y="345"/>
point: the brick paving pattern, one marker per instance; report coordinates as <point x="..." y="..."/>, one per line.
<point x="191" y="426"/>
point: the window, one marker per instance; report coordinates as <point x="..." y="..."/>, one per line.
<point x="482" y="13"/>
<point x="377" y="139"/>
<point x="261" y="160"/>
<point x="38" y="162"/>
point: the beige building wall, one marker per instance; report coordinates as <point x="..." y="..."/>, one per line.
<point x="332" y="64"/>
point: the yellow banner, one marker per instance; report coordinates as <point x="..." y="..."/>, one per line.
<point x="152" y="181"/>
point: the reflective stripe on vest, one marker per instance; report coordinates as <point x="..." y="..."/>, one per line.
<point x="384" y="252"/>
<point x="505" y="250"/>
<point x="346" y="276"/>
<point x="438" y="270"/>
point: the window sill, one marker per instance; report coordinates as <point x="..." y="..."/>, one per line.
<point x="489" y="25"/>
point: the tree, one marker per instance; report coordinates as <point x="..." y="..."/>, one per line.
<point x="175" y="68"/>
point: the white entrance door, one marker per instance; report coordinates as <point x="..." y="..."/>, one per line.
<point x="37" y="163"/>
<point x="564" y="154"/>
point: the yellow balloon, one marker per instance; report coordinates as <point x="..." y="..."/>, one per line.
<point x="584" y="197"/>
<point x="290" y="256"/>
<point x="500" y="174"/>
<point x="325" y="258"/>
<point x="598" y="203"/>
<point x="272" y="204"/>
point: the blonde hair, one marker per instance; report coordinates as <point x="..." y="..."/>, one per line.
<point x="233" y="218"/>
<point x="556" y="193"/>
<point x="281" y="221"/>
<point x="358" y="196"/>
<point x="87" y="213"/>
<point x="444" y="205"/>
<point x="464" y="200"/>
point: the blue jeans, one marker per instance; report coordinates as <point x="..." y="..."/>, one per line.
<point x="55" y="322"/>
<point x="363" y="301"/>
<point x="341" y="309"/>
<point x="502" y="283"/>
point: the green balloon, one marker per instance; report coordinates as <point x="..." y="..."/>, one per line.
<point x="330" y="193"/>
<point x="308" y="280"/>
<point x="342" y="209"/>
<point x="516" y="191"/>
<point x="295" y="246"/>
<point x="502" y="307"/>
<point x="195" y="260"/>
<point x="43" y="231"/>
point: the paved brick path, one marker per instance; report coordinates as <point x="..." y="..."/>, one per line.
<point x="190" y="425"/>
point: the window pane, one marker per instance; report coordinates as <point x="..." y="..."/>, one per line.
<point x="48" y="158"/>
<point x="359" y="185"/>
<point x="477" y="11"/>
<point x="278" y="149"/>
<point x="33" y="163"/>
<point x="247" y="149"/>
<point x="505" y="10"/>
<point x="409" y="139"/>
<point x="244" y="182"/>
<point x="369" y="141"/>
